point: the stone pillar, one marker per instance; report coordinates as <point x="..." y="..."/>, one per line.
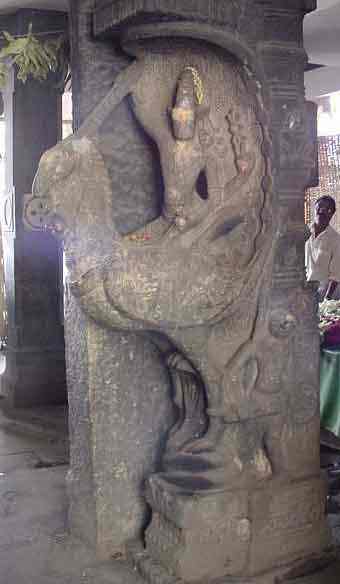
<point x="118" y="392"/>
<point x="200" y="270"/>
<point x="35" y="356"/>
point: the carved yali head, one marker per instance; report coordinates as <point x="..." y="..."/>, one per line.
<point x="67" y="185"/>
<point x="49" y="186"/>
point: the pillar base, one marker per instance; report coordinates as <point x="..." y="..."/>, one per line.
<point x="267" y="535"/>
<point x="153" y="573"/>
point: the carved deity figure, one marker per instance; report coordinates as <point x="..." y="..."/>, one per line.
<point x="191" y="279"/>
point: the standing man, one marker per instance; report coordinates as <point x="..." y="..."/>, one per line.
<point x="323" y="251"/>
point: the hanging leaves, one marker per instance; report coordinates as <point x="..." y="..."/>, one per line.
<point x="31" y="57"/>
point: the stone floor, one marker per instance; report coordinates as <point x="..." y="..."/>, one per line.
<point x="35" y="546"/>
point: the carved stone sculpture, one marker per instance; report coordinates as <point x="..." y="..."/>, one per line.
<point x="213" y="283"/>
<point x="219" y="243"/>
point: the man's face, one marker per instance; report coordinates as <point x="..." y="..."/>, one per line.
<point x="323" y="213"/>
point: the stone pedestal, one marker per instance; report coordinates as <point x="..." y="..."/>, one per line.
<point x="35" y="356"/>
<point x="241" y="535"/>
<point x="192" y="334"/>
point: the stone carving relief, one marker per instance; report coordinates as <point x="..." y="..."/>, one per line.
<point x="215" y="11"/>
<point x="294" y="137"/>
<point x="195" y="280"/>
<point x="187" y="273"/>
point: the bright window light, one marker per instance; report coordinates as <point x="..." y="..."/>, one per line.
<point x="329" y="115"/>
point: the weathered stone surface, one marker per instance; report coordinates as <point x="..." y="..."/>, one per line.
<point x="117" y="431"/>
<point x="214" y="281"/>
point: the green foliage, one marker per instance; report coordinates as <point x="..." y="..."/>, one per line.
<point x="31" y="57"/>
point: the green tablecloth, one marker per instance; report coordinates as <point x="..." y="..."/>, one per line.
<point x="330" y="390"/>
